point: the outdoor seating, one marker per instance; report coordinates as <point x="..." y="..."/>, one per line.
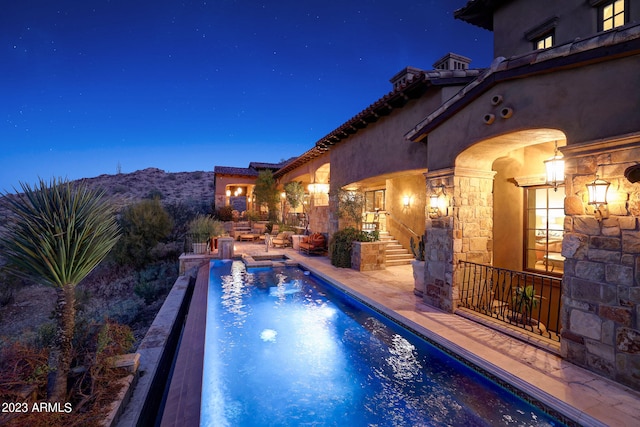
<point x="313" y="244"/>
<point x="282" y="240"/>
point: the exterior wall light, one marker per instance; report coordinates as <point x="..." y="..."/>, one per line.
<point x="405" y="201"/>
<point x="597" y="191"/>
<point x="228" y="193"/>
<point x="555" y="169"/>
<point x="437" y="202"/>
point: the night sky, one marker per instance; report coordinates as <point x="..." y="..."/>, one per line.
<point x="95" y="87"/>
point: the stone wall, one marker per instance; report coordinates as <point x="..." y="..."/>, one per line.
<point x="601" y="285"/>
<point x="463" y="230"/>
<point x="368" y="256"/>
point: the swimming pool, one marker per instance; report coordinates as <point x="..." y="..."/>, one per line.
<point x="285" y="348"/>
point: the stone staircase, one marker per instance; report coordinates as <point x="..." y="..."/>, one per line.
<point x="396" y="254"/>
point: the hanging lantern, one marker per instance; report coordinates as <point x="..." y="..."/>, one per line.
<point x="598" y="191"/>
<point x="555" y="169"/>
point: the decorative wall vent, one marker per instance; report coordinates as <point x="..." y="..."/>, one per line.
<point x="632" y="173"/>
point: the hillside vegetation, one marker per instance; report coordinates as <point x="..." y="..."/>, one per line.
<point x="128" y="289"/>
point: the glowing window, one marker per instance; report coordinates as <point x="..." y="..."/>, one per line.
<point x="544" y="229"/>
<point x="544" y="42"/>
<point x="613" y="14"/>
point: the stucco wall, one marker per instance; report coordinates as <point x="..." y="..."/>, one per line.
<point x="585" y="103"/>
<point x="576" y="19"/>
<point x="412" y="216"/>
<point x="381" y="147"/>
<point x="510" y="23"/>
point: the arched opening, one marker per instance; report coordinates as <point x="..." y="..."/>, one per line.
<point x="508" y="225"/>
<point x="522" y="217"/>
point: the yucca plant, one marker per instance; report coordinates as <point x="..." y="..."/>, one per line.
<point x="57" y="234"/>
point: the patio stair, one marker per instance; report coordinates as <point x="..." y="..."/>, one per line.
<point x="396" y="253"/>
<point x="240" y="227"/>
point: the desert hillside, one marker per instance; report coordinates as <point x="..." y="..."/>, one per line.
<point x="127" y="188"/>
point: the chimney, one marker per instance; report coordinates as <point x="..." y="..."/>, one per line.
<point x="452" y="61"/>
<point x="404" y="76"/>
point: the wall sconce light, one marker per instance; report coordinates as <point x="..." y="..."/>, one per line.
<point x="239" y="191"/>
<point x="405" y="201"/>
<point x="437" y="202"/>
<point x="555" y="169"/>
<point x="597" y="192"/>
<point x="228" y="193"/>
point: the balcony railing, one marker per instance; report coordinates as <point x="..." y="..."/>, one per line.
<point x="525" y="300"/>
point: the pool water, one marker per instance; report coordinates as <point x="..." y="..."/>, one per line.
<point x="284" y="348"/>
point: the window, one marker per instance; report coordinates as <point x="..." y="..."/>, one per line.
<point x="374" y="200"/>
<point x="542" y="35"/>
<point x="612" y="14"/>
<point x="543" y="42"/>
<point x="544" y="229"/>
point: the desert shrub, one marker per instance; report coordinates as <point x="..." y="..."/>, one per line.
<point x="21" y="365"/>
<point x="46" y="335"/>
<point x="225" y="213"/>
<point x="206" y="226"/>
<point x="143" y="225"/>
<point x="155" y="194"/>
<point x="120" y="189"/>
<point x="124" y="311"/>
<point x="341" y="244"/>
<point x="8" y="286"/>
<point x="155" y="281"/>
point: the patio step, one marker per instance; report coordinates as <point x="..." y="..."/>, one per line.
<point x="396" y="253"/>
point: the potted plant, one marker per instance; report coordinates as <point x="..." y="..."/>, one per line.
<point x="418" y="265"/>
<point x="524" y="301"/>
<point x="203" y="229"/>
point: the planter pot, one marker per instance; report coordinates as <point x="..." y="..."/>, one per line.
<point x="296" y="239"/>
<point x="199" y="248"/>
<point x="419" y="287"/>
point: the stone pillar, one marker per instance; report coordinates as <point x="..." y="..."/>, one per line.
<point x="462" y="229"/>
<point x="225" y="247"/>
<point x="601" y="284"/>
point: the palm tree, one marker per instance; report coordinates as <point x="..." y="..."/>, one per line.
<point x="56" y="236"/>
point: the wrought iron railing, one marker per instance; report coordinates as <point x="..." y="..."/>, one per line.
<point x="197" y="243"/>
<point x="526" y="300"/>
<point x="402" y="224"/>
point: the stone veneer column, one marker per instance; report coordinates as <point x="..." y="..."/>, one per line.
<point x="463" y="231"/>
<point x="601" y="283"/>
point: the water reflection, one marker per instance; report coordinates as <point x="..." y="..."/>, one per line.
<point x="283" y="353"/>
<point x="233" y="292"/>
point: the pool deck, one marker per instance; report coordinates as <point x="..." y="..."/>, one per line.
<point x="578" y="394"/>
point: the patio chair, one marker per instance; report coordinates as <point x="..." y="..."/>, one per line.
<point x="282" y="239"/>
<point x="313" y="244"/>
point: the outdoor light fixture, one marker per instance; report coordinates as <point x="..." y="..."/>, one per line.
<point x="318" y="188"/>
<point x="597" y="192"/>
<point x="555" y="169"/>
<point x="437" y="201"/>
<point x="405" y="201"/>
<point x="239" y="191"/>
<point x="228" y="193"/>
